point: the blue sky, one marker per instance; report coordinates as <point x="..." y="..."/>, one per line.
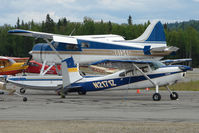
<point x="115" y="10"/>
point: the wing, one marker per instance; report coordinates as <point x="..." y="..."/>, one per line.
<point x="175" y="61"/>
<point x="31" y="33"/>
<point x="123" y="61"/>
<point x="128" y="64"/>
<point x="3" y="58"/>
<point x="54" y="37"/>
<point x="18" y="59"/>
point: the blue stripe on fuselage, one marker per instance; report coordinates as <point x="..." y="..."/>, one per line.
<point x="106" y="84"/>
<point x="101" y="45"/>
<point x="33" y="79"/>
<point x="90" y="44"/>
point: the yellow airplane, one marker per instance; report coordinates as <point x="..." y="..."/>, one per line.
<point x="8" y="65"/>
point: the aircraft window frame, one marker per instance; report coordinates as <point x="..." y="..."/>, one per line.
<point x="6" y="63"/>
<point x="85" y="44"/>
<point x="156" y="64"/>
<point x="56" y="44"/>
<point x="33" y="64"/>
<point x="71" y="47"/>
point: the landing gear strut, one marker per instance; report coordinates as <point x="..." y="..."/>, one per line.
<point x="24" y="98"/>
<point x="173" y="95"/>
<point x="156" y="96"/>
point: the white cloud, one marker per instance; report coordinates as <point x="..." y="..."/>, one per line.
<point x="37" y="16"/>
<point x="59" y="1"/>
<point x="114" y="10"/>
<point x="138" y="5"/>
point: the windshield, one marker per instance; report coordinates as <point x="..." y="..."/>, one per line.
<point x="11" y="61"/>
<point x="157" y="64"/>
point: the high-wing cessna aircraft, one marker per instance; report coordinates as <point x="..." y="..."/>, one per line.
<point x="90" y="48"/>
<point x="9" y="67"/>
<point x="136" y="74"/>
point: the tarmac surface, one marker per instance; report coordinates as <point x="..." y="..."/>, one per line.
<point x="121" y="105"/>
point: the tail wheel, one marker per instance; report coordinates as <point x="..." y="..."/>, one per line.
<point x="174" y="96"/>
<point x="22" y="90"/>
<point x="25" y="99"/>
<point x="156" y="97"/>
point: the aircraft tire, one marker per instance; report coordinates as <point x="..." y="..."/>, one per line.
<point x="22" y="90"/>
<point x="156" y="97"/>
<point x="63" y="96"/>
<point x="25" y="99"/>
<point x="82" y="92"/>
<point x="174" y="96"/>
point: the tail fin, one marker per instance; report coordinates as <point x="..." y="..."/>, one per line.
<point x="70" y="72"/>
<point x="154" y="32"/>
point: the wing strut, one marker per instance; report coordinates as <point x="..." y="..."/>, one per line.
<point x="43" y="66"/>
<point x="48" y="69"/>
<point x="50" y="44"/>
<point x="147" y="77"/>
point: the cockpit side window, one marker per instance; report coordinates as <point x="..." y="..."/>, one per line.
<point x="71" y="47"/>
<point x="85" y="44"/>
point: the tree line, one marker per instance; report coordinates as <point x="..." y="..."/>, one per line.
<point x="186" y="38"/>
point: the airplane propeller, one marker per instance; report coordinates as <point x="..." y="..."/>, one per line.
<point x="26" y="64"/>
<point x="28" y="61"/>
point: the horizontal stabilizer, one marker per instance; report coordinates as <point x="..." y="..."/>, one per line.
<point x="163" y="49"/>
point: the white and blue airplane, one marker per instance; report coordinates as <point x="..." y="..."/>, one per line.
<point x="138" y="74"/>
<point x="91" y="48"/>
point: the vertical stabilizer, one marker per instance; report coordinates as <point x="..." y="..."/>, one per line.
<point x="70" y="72"/>
<point x="154" y="32"/>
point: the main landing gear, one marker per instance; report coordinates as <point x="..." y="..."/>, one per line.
<point x="157" y="96"/>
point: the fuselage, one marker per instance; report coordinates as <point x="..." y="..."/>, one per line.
<point x="88" y="51"/>
<point x="162" y="76"/>
<point x="13" y="69"/>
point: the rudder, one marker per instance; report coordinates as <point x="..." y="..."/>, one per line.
<point x="70" y="72"/>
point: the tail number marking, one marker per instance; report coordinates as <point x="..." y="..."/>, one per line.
<point x="104" y="84"/>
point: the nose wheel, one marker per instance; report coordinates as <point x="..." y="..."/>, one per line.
<point x="25" y="99"/>
<point x="174" y="96"/>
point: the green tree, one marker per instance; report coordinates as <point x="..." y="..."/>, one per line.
<point x="130" y="20"/>
<point x="49" y="24"/>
